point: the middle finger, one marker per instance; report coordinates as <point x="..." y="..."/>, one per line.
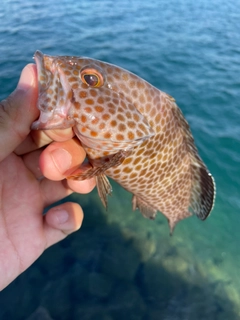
<point x="56" y="161"/>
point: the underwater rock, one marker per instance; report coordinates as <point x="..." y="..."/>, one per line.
<point x="57" y="298"/>
<point x="157" y="283"/>
<point x="99" y="284"/>
<point x="126" y="302"/>
<point x="120" y="260"/>
<point x="91" y="311"/>
<point x="146" y="247"/>
<point x="51" y="263"/>
<point x="176" y="264"/>
<point x="40" y="314"/>
<point x="79" y="283"/>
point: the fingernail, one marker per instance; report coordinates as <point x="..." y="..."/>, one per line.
<point x="62" y="159"/>
<point x="61" y="216"/>
<point x="26" y="79"/>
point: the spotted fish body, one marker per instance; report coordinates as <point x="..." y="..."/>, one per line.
<point x="131" y="132"/>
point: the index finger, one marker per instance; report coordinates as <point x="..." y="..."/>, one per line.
<point x="18" y="111"/>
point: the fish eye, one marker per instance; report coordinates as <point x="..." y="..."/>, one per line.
<point x="91" y="77"/>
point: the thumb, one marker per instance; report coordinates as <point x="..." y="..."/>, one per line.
<point x="18" y="111"/>
<point x="62" y="220"/>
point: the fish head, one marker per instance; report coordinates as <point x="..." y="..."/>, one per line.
<point x="92" y="97"/>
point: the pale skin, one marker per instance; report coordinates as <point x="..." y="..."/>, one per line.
<point x="31" y="178"/>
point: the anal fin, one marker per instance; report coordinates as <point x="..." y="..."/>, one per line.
<point x="173" y="220"/>
<point x="146" y="210"/>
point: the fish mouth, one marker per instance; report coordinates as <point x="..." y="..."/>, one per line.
<point x="44" y="122"/>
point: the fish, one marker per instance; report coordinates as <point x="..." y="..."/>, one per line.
<point x="132" y="132"/>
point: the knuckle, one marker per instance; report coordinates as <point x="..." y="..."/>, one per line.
<point x="9" y="117"/>
<point x="4" y="114"/>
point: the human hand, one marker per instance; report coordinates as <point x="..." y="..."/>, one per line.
<point x="31" y="179"/>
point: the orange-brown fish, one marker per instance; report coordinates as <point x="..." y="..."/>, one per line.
<point x="131" y="132"/>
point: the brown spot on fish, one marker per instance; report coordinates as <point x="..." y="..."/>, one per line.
<point x="83" y="118"/>
<point x="132" y="84"/>
<point x="82" y="94"/>
<point x="95" y="121"/>
<point x="88" y="109"/>
<point x="77" y="105"/>
<point x="102" y="126"/>
<point x="135" y="94"/>
<point x="89" y="101"/>
<point x="127" y="169"/>
<point x="72" y="79"/>
<point x="42" y="78"/>
<point x="107" y="135"/>
<point x="125" y="77"/>
<point x="120" y="137"/>
<point x="140" y="85"/>
<point x="99" y="109"/>
<point x="121" y="127"/>
<point x="109" y="70"/>
<point x="142" y="98"/>
<point x="106" y="116"/>
<point x="93" y="133"/>
<point x="93" y="93"/>
<point x="116" y="76"/>
<point x="131" y="124"/>
<point x="100" y="100"/>
<point x="130" y="135"/>
<point x="112" y="110"/>
<point x="120" y="117"/>
<point x="113" y="123"/>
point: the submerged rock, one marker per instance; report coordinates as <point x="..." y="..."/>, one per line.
<point x="99" y="284"/>
<point x="120" y="260"/>
<point x="40" y="314"/>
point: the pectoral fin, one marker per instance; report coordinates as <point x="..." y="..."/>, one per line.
<point x="97" y="167"/>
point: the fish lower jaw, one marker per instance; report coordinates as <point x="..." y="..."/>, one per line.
<point x="46" y="122"/>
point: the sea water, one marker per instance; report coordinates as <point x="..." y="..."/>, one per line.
<point x="120" y="265"/>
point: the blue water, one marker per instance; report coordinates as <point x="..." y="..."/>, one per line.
<point x="120" y="265"/>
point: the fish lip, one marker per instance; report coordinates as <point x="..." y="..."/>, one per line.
<point x="44" y="69"/>
<point x="39" y="59"/>
<point x="38" y="55"/>
<point x="45" y="122"/>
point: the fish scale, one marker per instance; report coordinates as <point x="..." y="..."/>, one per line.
<point x="131" y="132"/>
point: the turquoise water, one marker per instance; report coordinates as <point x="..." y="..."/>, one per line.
<point x="120" y="265"/>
